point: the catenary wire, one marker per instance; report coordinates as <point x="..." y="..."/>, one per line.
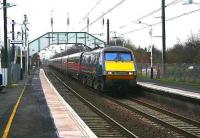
<point x="87" y="15"/>
<point x="172" y="18"/>
<point x="104" y="14"/>
<point x="151" y="13"/>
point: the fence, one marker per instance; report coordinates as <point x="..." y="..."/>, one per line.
<point x="189" y="73"/>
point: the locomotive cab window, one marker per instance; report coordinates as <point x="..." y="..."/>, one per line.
<point x="125" y="56"/>
<point x="118" y="56"/>
<point x="111" y="56"/>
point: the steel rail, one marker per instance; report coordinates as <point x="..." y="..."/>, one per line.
<point x="191" y="129"/>
<point x="155" y="119"/>
<point x="98" y="111"/>
<point x="177" y="116"/>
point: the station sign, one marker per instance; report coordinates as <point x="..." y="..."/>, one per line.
<point x="16" y="42"/>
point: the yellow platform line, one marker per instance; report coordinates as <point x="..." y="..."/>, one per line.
<point x="8" y="125"/>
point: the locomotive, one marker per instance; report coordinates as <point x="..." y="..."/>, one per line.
<point x="107" y="68"/>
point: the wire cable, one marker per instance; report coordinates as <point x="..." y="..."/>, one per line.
<point x="90" y="11"/>
<point x="93" y="8"/>
<point x="172" y="18"/>
<point x="151" y="13"/>
<point x="104" y="14"/>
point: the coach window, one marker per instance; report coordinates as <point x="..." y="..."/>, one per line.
<point x="100" y="58"/>
<point x="83" y="60"/>
<point x="76" y="59"/>
<point x="89" y="59"/>
<point x="93" y="59"/>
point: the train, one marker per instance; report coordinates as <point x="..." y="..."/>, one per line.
<point x="107" y="68"/>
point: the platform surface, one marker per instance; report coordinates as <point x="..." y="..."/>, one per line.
<point x="169" y="89"/>
<point x="41" y="111"/>
<point x="67" y="122"/>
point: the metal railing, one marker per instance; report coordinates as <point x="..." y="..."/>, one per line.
<point x="185" y="72"/>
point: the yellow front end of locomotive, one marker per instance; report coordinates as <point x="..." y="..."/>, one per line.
<point x="120" y="70"/>
<point x="119" y="66"/>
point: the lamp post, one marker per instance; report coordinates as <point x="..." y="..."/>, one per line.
<point x="108" y="32"/>
<point x="88" y="24"/>
<point x="150" y="33"/>
<point x="6" y="5"/>
<point x="5" y="32"/>
<point x="163" y="39"/>
<point x="52" y="24"/>
<point x="25" y="22"/>
<point x="21" y="47"/>
<point x="21" y="58"/>
<point x="151" y="57"/>
<point x="6" y="43"/>
<point x="164" y="67"/>
<point x="13" y="38"/>
<point x="68" y="21"/>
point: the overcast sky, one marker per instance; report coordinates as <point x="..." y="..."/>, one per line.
<point x="39" y="14"/>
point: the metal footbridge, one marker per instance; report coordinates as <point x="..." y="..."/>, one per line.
<point x="56" y="38"/>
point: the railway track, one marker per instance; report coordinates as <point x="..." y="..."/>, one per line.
<point x="183" y="126"/>
<point x="101" y="124"/>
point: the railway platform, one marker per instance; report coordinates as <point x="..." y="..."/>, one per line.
<point x="33" y="108"/>
<point x="189" y="92"/>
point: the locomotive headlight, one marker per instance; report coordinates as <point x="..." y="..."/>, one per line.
<point x="130" y="73"/>
<point x="109" y="73"/>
